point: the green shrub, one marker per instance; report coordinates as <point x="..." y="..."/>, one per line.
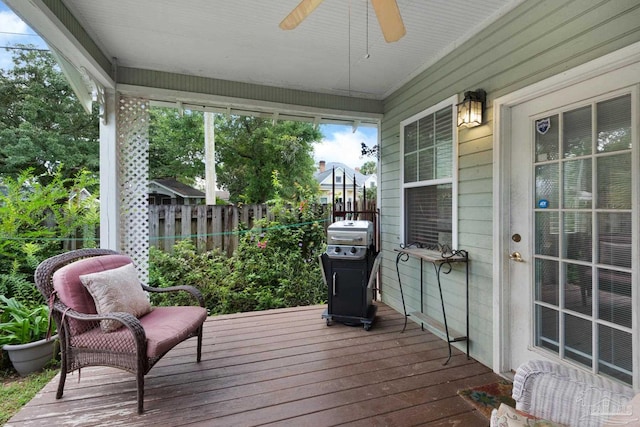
<point x="185" y="266"/>
<point x="36" y="219"/>
<point x="276" y="264"/>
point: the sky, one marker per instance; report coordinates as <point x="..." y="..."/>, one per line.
<point x="14" y="31"/>
<point x="339" y="143"/>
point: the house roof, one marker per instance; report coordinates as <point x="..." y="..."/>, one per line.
<point x="163" y="49"/>
<point x="178" y="188"/>
<point x="339" y="167"/>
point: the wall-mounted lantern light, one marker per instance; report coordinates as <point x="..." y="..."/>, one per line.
<point x="471" y="109"/>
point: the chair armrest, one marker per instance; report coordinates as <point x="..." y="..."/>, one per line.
<point x="186" y="288"/>
<point x="126" y="319"/>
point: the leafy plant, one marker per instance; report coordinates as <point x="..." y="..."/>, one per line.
<point x="21" y="323"/>
<point x="35" y="218"/>
<point x="185" y="266"/>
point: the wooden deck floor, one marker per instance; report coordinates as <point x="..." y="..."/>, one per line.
<point x="280" y="367"/>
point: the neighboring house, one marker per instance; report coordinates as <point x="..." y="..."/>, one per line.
<point x="540" y="194"/>
<point x="169" y="191"/>
<point x="338" y="177"/>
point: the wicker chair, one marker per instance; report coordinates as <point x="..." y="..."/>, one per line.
<point x="138" y="345"/>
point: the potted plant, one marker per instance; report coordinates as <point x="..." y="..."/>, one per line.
<point x="23" y="335"/>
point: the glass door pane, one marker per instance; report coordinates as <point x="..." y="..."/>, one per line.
<point x="583" y="280"/>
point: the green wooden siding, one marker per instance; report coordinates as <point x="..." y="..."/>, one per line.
<point x="534" y="41"/>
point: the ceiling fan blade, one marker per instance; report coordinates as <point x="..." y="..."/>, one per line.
<point x="298" y="14"/>
<point x="390" y="20"/>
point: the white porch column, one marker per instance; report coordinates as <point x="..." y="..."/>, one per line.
<point x="210" y="158"/>
<point x="109" y="173"/>
<point x="124" y="179"/>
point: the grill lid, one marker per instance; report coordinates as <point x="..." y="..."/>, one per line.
<point x="354" y="233"/>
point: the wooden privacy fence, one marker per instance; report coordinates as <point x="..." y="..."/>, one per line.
<point x="208" y="226"/>
<point x="216" y="227"/>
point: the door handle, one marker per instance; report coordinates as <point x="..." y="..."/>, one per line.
<point x="516" y="256"/>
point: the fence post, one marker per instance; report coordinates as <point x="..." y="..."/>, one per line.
<point x="170" y="228"/>
<point x="185" y="222"/>
<point x="201" y="227"/>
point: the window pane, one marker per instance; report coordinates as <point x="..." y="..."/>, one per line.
<point x="616" y="355"/>
<point x="576" y="140"/>
<point x="444" y="157"/>
<point x="614" y="182"/>
<point x="444" y="123"/>
<point x="428" y="215"/>
<point x="546" y="284"/>
<point x="426" y="135"/>
<point x="614" y="296"/>
<point x="578" y="288"/>
<point x="547" y="226"/>
<point x="614" y="239"/>
<point x="425" y="162"/>
<point x="547" y="185"/>
<point x="577" y="235"/>
<point x="577" y="191"/>
<point x="547" y="328"/>
<point x="614" y="124"/>
<point x="578" y="340"/>
<point x="411" y="138"/>
<point x="411" y="167"/>
<point x="547" y="139"/>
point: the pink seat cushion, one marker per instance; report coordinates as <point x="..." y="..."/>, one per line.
<point x="164" y="327"/>
<point x="71" y="291"/>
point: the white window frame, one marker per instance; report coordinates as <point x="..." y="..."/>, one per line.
<point x="451" y="101"/>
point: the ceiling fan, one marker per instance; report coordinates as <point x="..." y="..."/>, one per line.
<point x="386" y="10"/>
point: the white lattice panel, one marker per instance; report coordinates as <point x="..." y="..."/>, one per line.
<point x="133" y="142"/>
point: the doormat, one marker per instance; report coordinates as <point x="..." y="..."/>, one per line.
<point x="489" y="396"/>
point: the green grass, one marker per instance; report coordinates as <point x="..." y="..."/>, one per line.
<point x="17" y="391"/>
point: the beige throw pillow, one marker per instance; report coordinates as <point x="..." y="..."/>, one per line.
<point x="116" y="290"/>
<point x="510" y="417"/>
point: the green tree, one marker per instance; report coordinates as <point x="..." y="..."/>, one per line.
<point x="250" y="149"/>
<point x="42" y="123"/>
<point x="176" y="144"/>
<point x="368" y="168"/>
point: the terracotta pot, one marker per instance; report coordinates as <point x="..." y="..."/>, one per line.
<point x="33" y="356"/>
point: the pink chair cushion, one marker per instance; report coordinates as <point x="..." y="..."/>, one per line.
<point x="71" y="291"/>
<point x="164" y="327"/>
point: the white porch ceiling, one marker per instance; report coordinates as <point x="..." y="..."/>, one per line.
<point x="239" y="40"/>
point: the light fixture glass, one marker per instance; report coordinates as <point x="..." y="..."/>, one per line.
<point x="471" y="109"/>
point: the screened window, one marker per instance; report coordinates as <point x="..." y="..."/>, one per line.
<point x="428" y="154"/>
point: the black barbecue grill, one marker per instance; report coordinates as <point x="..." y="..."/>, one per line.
<point x="347" y="266"/>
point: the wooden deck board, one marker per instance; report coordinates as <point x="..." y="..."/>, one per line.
<point x="280" y="367"/>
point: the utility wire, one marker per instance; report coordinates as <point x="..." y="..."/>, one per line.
<point x="25" y="48"/>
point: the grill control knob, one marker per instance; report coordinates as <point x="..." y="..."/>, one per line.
<point x="353" y="250"/>
<point x="337" y="249"/>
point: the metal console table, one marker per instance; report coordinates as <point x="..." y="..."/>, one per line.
<point x="442" y="261"/>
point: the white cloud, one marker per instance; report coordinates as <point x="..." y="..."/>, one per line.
<point x="341" y="144"/>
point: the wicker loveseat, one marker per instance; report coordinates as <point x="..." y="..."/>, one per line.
<point x="83" y="285"/>
<point x="569" y="397"/>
